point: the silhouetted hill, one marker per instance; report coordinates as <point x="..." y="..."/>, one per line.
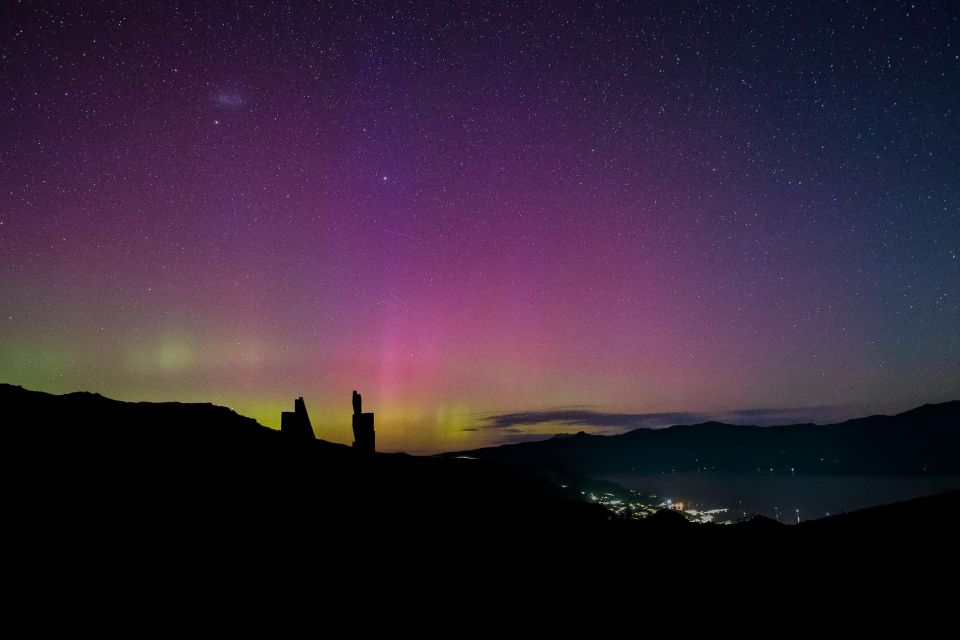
<point x="206" y="462"/>
<point x="925" y="440"/>
<point x="930" y="517"/>
<point x="143" y="487"/>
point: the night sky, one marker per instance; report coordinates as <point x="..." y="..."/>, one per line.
<point x="471" y="212"/>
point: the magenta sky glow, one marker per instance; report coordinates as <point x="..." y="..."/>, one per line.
<point x="463" y="211"/>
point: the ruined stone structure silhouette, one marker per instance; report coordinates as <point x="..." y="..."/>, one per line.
<point x="297" y="423"/>
<point x="364" y="437"/>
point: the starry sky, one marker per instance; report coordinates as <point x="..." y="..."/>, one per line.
<point x="495" y="220"/>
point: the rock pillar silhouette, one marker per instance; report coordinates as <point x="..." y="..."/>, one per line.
<point x="364" y="436"/>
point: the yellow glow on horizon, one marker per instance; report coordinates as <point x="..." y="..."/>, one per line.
<point x="170" y="354"/>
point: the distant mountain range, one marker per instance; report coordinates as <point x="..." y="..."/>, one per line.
<point x="152" y="485"/>
<point x="925" y="440"/>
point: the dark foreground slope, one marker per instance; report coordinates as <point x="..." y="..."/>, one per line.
<point x="925" y="440"/>
<point x="112" y="482"/>
<point x="167" y="464"/>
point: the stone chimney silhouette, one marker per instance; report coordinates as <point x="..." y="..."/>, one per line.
<point x="364" y="437"/>
<point x="297" y="423"/>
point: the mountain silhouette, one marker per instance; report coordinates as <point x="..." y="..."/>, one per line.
<point x="925" y="440"/>
<point x="208" y="463"/>
<point x="145" y="486"/>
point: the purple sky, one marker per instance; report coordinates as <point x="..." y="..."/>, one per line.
<point x="463" y="210"/>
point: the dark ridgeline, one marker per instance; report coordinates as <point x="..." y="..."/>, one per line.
<point x="364" y="437"/>
<point x="162" y="480"/>
<point x="147" y="485"/>
<point x="296" y="423"/>
<point x="922" y="441"/>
